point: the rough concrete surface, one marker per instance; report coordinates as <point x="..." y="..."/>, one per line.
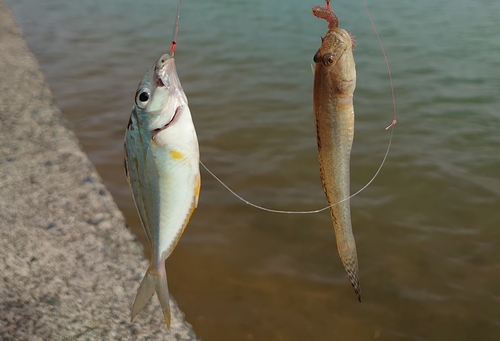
<point x="69" y="267"/>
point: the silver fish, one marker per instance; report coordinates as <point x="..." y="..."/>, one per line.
<point x="162" y="169"/>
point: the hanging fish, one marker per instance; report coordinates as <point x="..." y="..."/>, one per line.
<point x="334" y="84"/>
<point x="162" y="169"/>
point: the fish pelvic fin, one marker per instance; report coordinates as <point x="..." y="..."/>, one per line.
<point x="151" y="283"/>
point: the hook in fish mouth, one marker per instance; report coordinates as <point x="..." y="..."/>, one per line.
<point x="174" y="116"/>
<point x="159" y="70"/>
<point x="157" y="81"/>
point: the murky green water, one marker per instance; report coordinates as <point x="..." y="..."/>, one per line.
<point x="427" y="229"/>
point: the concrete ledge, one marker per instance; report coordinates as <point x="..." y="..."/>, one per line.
<point x="69" y="267"/>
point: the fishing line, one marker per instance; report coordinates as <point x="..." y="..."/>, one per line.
<point x="394" y="121"/>
<point x="392" y="125"/>
<point x="176" y="30"/>
<point x="272" y="210"/>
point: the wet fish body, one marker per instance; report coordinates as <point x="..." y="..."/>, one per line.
<point x="162" y="169"/>
<point x="334" y="84"/>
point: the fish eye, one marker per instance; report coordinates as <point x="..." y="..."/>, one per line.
<point x="328" y="59"/>
<point x="142" y="97"/>
<point x="317" y="57"/>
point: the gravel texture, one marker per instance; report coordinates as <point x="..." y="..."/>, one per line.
<point x="69" y="267"/>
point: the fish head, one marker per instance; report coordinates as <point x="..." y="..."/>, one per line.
<point x="333" y="46"/>
<point x="159" y="99"/>
<point x="335" y="62"/>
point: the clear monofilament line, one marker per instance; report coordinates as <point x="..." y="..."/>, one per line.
<point x="395" y="119"/>
<point x="176" y="30"/>
<point x="272" y="210"/>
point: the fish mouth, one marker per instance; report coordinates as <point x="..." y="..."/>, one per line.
<point x="161" y="72"/>
<point x="174" y="116"/>
<point x="158" y="82"/>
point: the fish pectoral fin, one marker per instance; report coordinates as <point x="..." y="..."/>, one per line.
<point x="150" y="283"/>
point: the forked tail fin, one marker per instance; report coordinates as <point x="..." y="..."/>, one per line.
<point x="151" y="283"/>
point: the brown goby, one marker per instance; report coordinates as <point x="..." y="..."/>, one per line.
<point x="334" y="84"/>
